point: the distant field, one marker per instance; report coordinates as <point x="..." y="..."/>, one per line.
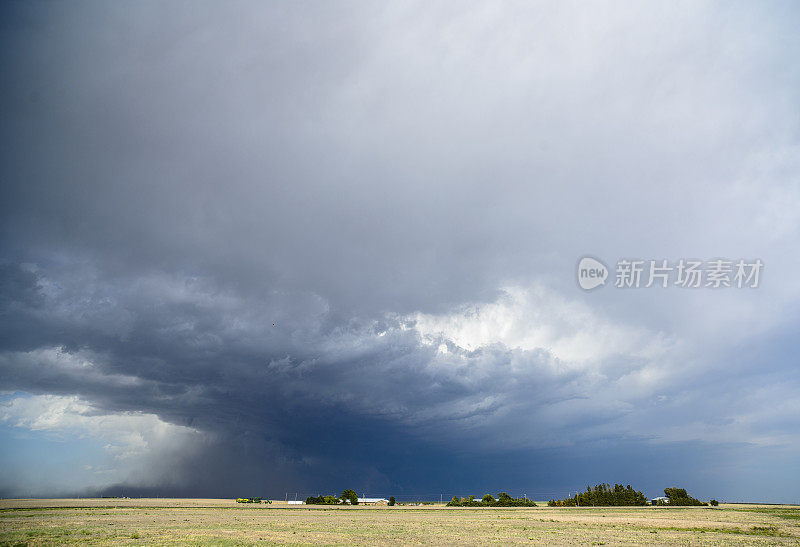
<point x="212" y="521"/>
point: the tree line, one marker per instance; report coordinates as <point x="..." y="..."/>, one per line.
<point x="251" y="500"/>
<point x="348" y="496"/>
<point x="503" y="500"/>
<point x="602" y="495"/>
<point x="606" y="495"/>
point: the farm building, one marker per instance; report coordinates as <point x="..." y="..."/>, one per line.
<point x="662" y="499"/>
<point x="373" y="501"/>
<point x="295" y="502"/>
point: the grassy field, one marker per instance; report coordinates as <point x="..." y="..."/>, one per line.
<point x="206" y="521"/>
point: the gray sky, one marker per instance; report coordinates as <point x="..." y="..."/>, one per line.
<point x="295" y="246"/>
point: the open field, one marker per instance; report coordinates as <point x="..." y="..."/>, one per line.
<point x="207" y="521"/>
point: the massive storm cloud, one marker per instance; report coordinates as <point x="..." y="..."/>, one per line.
<point x="271" y="248"/>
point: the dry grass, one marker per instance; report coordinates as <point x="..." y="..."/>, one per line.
<point x="201" y="521"/>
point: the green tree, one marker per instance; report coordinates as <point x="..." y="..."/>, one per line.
<point x="349" y="495"/>
<point x="604" y="495"/>
<point x="391" y="501"/>
<point x="488" y="498"/>
<point x="679" y="496"/>
<point x="675" y="493"/>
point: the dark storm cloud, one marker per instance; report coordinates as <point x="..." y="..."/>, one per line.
<point x="324" y="404"/>
<point x="245" y="221"/>
<point x="179" y="348"/>
<point x="294" y="391"/>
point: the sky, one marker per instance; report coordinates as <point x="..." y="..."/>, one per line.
<point x="288" y="248"/>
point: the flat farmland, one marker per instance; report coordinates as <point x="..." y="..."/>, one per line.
<point x="210" y="521"/>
